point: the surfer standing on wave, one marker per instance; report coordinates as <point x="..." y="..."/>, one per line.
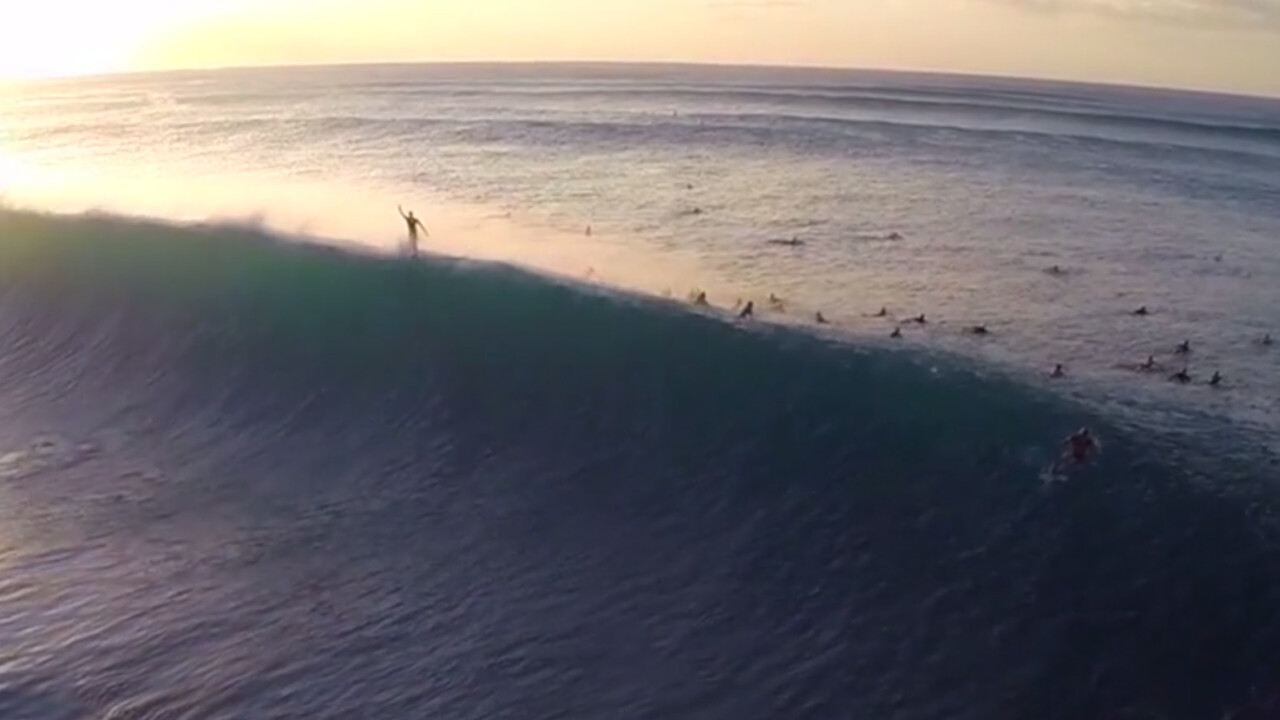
<point x="414" y="225"/>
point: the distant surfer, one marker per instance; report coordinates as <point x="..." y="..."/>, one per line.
<point x="1055" y="270"/>
<point x="1182" y="376"/>
<point x="978" y="330"/>
<point x="884" y="312"/>
<point x="793" y="242"/>
<point x="414" y="224"/>
<point x="1216" y="380"/>
<point x="1141" y="311"/>
<point x="748" y="311"/>
<point x="1148" y="365"/>
<point x="1183" y="347"/>
<point x="819" y="318"/>
<point x="700" y="298"/>
<point x="1266" y="340"/>
<point x="1058" y="371"/>
<point x="776" y="303"/>
<point x="919" y="319"/>
<point x="588" y="233"/>
<point x="897" y="333"/>
<point x="895" y="235"/>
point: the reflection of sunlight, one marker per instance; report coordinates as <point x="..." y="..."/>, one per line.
<point x="338" y="213"/>
<point x="27" y="185"/>
<point x="23" y="184"/>
<point x="14" y="173"/>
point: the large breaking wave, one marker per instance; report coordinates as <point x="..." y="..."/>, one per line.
<point x="659" y="513"/>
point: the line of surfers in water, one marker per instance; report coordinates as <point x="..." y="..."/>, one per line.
<point x="1078" y="447"/>
<point x="747" y="311"/>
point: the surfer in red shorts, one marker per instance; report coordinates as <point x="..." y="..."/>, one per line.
<point x="1080" y="446"/>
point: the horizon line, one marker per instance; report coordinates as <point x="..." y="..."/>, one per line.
<point x="1057" y="80"/>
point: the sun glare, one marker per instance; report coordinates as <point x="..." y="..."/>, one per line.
<point x="75" y="37"/>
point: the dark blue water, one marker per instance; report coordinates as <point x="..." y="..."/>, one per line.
<point x="244" y="479"/>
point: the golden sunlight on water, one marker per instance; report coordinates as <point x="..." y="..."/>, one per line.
<point x="349" y="215"/>
<point x="13" y="172"/>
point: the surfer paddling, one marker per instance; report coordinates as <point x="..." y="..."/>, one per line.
<point x="414" y="224"/>
<point x="1078" y="448"/>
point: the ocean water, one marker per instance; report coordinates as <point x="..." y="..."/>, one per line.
<point x="255" y="463"/>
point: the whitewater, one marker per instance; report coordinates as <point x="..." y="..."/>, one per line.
<point x="256" y="463"/>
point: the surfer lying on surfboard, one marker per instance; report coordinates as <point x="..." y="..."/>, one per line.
<point x="1079" y="447"/>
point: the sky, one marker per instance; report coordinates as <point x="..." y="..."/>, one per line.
<point x="1225" y="45"/>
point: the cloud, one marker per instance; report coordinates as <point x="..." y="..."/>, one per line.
<point x="1254" y="14"/>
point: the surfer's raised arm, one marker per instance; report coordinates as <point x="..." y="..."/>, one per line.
<point x="401" y="211"/>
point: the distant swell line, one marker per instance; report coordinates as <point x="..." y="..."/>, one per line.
<point x="927" y="102"/>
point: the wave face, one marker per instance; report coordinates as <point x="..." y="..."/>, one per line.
<point x="249" y="478"/>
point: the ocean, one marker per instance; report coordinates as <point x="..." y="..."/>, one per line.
<point x="255" y="462"/>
